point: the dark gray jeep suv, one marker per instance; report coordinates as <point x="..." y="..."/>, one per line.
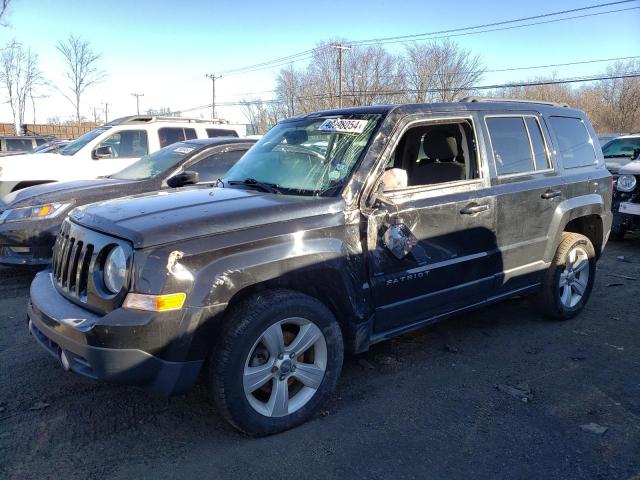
<point x="337" y="230"/>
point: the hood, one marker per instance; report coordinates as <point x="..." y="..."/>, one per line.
<point x="172" y="216"/>
<point x="89" y="190"/>
<point x="615" y="163"/>
<point x="631" y="168"/>
<point x="37" y="166"/>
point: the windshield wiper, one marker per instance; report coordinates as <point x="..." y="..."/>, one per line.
<point x="252" y="182"/>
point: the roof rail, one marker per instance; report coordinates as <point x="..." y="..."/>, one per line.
<point x="511" y="100"/>
<point x="133" y="119"/>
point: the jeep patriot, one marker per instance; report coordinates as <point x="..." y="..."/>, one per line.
<point x="337" y="230"/>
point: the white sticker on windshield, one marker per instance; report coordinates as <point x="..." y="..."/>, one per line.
<point x="184" y="150"/>
<point x="343" y="125"/>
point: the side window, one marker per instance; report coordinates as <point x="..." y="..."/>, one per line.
<point x="510" y="143"/>
<point x="41" y="141"/>
<point x="18" y="144"/>
<point x="127" y="143"/>
<point x="190" y="133"/>
<point x="540" y="154"/>
<point x="221" y="132"/>
<point x="437" y="153"/>
<point x="574" y="143"/>
<point x="169" y="135"/>
<point x="215" y="166"/>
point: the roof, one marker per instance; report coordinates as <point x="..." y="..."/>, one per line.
<point x="466" y="104"/>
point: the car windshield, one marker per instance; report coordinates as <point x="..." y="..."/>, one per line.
<point x="310" y="156"/>
<point x="151" y="165"/>
<point x="621" y="147"/>
<point x="78" y="143"/>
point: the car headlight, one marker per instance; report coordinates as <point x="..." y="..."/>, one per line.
<point x="626" y="183"/>
<point x="48" y="210"/>
<point x="115" y="270"/>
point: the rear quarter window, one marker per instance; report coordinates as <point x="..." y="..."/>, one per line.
<point x="575" y="146"/>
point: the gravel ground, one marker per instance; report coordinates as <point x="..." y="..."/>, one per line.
<point x="500" y="393"/>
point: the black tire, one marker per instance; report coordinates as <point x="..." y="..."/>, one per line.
<point x="243" y="327"/>
<point x="549" y="299"/>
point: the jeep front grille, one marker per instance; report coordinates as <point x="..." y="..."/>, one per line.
<point x="77" y="263"/>
<point x="71" y="262"/>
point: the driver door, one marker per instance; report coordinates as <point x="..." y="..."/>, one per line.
<point x="432" y="247"/>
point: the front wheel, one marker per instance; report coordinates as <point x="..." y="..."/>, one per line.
<point x="569" y="280"/>
<point x="277" y="361"/>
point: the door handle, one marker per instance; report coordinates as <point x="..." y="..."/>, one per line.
<point x="551" y="194"/>
<point x="474" y="208"/>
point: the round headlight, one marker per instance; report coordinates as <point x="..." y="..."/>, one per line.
<point x="115" y="270"/>
<point x="626" y="183"/>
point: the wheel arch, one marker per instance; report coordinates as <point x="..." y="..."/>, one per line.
<point x="585" y="215"/>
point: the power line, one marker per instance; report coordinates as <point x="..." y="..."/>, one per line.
<point x="293" y="58"/>
<point x="583" y="79"/>
<point x="498" y="70"/>
<point x="493" y="24"/>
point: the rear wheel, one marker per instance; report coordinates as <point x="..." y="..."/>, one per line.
<point x="278" y="360"/>
<point x="569" y="280"/>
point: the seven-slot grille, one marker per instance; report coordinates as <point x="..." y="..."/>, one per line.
<point x="71" y="262"/>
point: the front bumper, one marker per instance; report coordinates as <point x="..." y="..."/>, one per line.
<point x="124" y="346"/>
<point x="28" y="243"/>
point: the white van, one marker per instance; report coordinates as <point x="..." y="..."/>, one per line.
<point x="107" y="149"/>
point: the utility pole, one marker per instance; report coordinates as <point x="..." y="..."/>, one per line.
<point x="137" y="95"/>
<point x="106" y="112"/>
<point x="213" y="93"/>
<point x="340" y="49"/>
<point x="95" y="115"/>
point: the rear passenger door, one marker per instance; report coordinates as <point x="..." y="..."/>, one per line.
<point x="528" y="188"/>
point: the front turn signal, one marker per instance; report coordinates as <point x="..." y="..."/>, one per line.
<point x="155" y="303"/>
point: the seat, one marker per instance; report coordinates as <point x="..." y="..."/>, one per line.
<point x="440" y="166"/>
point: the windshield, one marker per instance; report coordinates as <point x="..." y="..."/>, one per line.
<point x="80" y="142"/>
<point x="156" y="163"/>
<point x="621" y="147"/>
<point x="309" y="156"/>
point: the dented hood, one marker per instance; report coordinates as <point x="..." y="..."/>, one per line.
<point x="183" y="214"/>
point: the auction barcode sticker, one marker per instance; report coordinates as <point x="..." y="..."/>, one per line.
<point x="343" y="125"/>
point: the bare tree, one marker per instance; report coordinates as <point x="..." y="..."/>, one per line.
<point x="19" y="75"/>
<point x="546" y="91"/>
<point x="262" y="115"/>
<point x="82" y="69"/>
<point x="619" y="99"/>
<point x="441" y="71"/>
<point x="4" y="7"/>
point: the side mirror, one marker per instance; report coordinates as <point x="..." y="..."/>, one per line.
<point x="102" y="152"/>
<point x="181" y="179"/>
<point x="399" y="240"/>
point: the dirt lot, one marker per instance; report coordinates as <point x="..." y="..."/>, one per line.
<point x="422" y="406"/>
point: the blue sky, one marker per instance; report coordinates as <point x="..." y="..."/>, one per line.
<point x="163" y="49"/>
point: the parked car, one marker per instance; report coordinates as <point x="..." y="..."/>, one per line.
<point x="626" y="200"/>
<point x="605" y="138"/>
<point x="30" y="218"/>
<point x="406" y="215"/>
<point x="14" y="145"/>
<point x="106" y="150"/>
<point x="621" y="150"/>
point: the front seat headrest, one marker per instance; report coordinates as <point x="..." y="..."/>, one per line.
<point x="440" y="145"/>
